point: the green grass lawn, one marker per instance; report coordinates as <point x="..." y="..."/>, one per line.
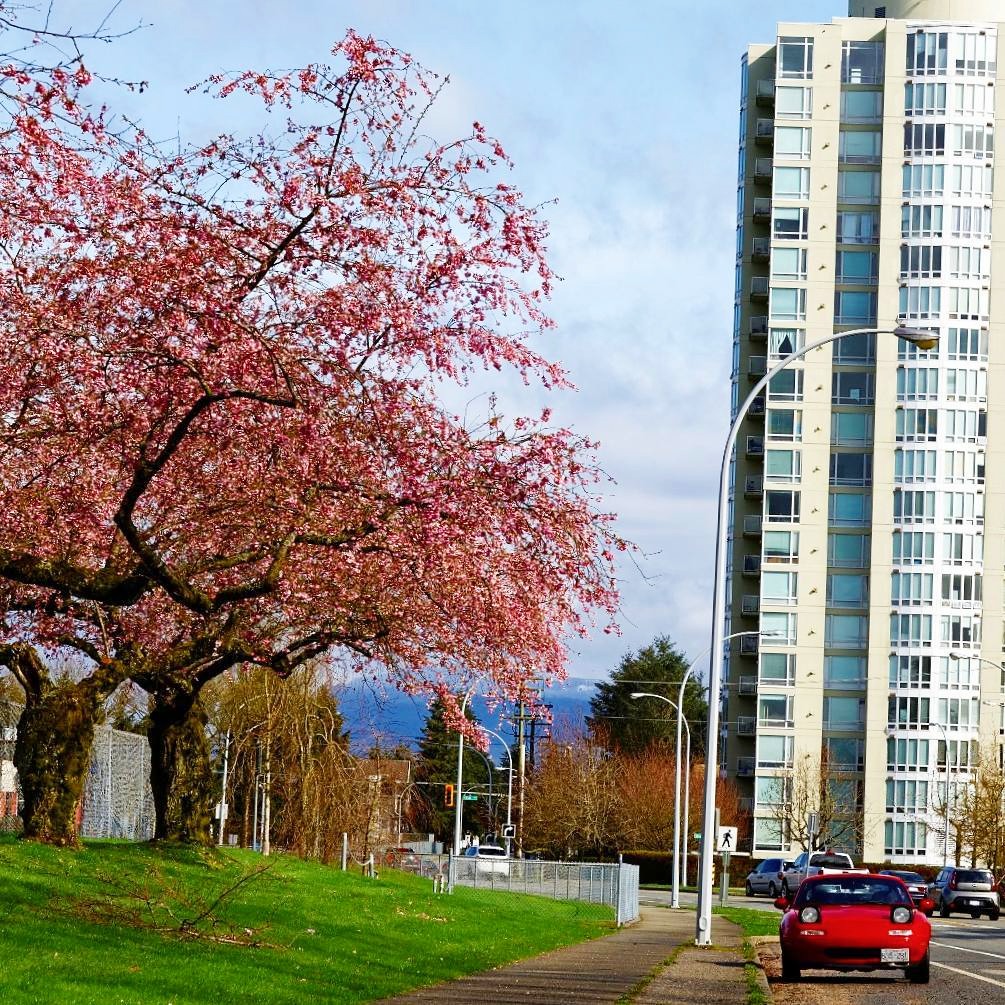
<point x="104" y="924"/>
<point x="751" y="920"/>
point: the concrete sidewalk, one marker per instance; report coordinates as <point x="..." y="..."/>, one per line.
<point x="651" y="962"/>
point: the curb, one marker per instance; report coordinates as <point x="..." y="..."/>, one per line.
<point x="762" y="978"/>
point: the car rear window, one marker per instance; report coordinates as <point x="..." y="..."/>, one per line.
<point x="497" y="852"/>
<point x="974" y="876"/>
<point x="852" y="890"/>
<point x="830" y="861"/>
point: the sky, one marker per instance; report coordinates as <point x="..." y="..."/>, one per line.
<point x="622" y="118"/>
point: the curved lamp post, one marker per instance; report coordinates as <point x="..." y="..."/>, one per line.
<point x="509" y="786"/>
<point x="703" y="926"/>
<point x="458" y="791"/>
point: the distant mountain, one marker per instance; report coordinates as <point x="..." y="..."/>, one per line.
<point x="390" y="717"/>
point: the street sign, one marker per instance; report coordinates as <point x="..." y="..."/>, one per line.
<point x="509" y="830"/>
<point x="470" y="797"/>
<point x="726" y="841"/>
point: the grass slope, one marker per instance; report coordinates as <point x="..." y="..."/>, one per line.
<point x="90" y="927"/>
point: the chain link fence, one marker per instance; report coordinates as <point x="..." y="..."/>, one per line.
<point x="611" y="883"/>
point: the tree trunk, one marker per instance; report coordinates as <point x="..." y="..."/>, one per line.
<point x="181" y="777"/>
<point x="55" y="734"/>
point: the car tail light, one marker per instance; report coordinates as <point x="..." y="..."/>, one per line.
<point x="901" y="915"/>
<point x="809" y="915"/>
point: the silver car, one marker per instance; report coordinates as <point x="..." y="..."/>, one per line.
<point x="966" y="891"/>
<point x="764" y="878"/>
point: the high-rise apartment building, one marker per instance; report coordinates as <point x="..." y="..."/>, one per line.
<point x="867" y="529"/>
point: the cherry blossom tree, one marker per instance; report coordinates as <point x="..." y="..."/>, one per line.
<point x="224" y="435"/>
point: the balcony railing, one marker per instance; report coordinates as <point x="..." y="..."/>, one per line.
<point x="751" y="565"/>
<point x="746" y="725"/>
<point x="749" y="644"/>
<point x="763" y="169"/>
<point x="745" y="767"/>
<point x="755" y="446"/>
<point x="764" y="94"/>
<point x="764" y="132"/>
<point x="753" y="487"/>
<point x="756" y="410"/>
<point x="757" y="366"/>
<point x="759" y="288"/>
<point x="748" y="685"/>
<point x="750" y="605"/>
<point x="760" y="251"/>
<point x="762" y="209"/>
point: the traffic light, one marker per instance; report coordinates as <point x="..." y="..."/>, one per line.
<point x="448" y="795"/>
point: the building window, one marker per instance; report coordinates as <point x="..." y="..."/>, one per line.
<point x="924" y="98"/>
<point x="910" y="671"/>
<point x="774" y="710"/>
<point x="973" y="180"/>
<point x="781" y="506"/>
<point x="974" y="53"/>
<point x="963" y="466"/>
<point x="861" y="106"/>
<point x="912" y="506"/>
<point x="924" y="181"/>
<point x="778" y="668"/>
<point x="790" y="223"/>
<point x="917" y="424"/>
<point x="858" y="186"/>
<point x="968" y="303"/>
<point x="862" y="63"/>
<point x="910" y="588"/>
<point x="917" y="383"/>
<point x="772" y="790"/>
<point x="852" y="387"/>
<point x="786" y="386"/>
<point x="852" y="307"/>
<point x="961" y="589"/>
<point x="855" y="350"/>
<point x="851" y="469"/>
<point x="971" y="221"/>
<point x="783" y="342"/>
<point x="844" y="713"/>
<point x="973" y="141"/>
<point x="850" y="429"/>
<point x="782" y="466"/>
<point x="847" y="590"/>
<point x="785" y="424"/>
<point x="964" y="425"/>
<point x="927" y="53"/>
<point x="779" y="587"/>
<point x="795" y="58"/>
<point x="963" y="507"/>
<point x="960" y="673"/>
<point x="849" y="509"/>
<point x="906" y="795"/>
<point x="962" y="549"/>
<point x="793" y="102"/>
<point x="769" y="834"/>
<point x="774" y="751"/>
<point x="961" y="630"/>
<point x="906" y="754"/>
<point x="846" y="631"/>
<point x="857" y="267"/>
<point x="959" y="713"/>
<point x="848" y="551"/>
<point x="974" y="99"/>
<point x="780" y="546"/>
<point x="791" y="182"/>
<point x="789" y="264"/>
<point x="966" y="385"/>
<point x="778" y="628"/>
<point x="967" y="343"/>
<point x="845" y="753"/>
<point x="913" y="547"/>
<point x="846" y="673"/>
<point x="913" y="466"/>
<point x="921" y="221"/>
<point x="924" y="139"/>
<point x="920" y="301"/>
<point x="793" y="141"/>
<point x="905" y="712"/>
<point x="902" y="837"/>
<point x="860" y="146"/>
<point x="921" y="261"/>
<point x="787" y="304"/>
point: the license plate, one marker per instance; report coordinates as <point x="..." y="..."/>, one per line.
<point x="975" y="903"/>
<point x="893" y="956"/>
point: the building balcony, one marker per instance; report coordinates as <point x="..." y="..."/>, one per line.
<point x="760" y="251"/>
<point x="762" y="209"/>
<point x="759" y="328"/>
<point x="749" y="644"/>
<point x="764" y="94"/>
<point x="763" y="170"/>
<point x="757" y="367"/>
<point x="746" y="725"/>
<point x="764" y="132"/>
<point x="750" y="605"/>
<point x="756" y="410"/>
<point x="745" y="767"/>
<point x="752" y="527"/>
<point x="746" y="804"/>
<point x="747" y="685"/>
<point x="759" y="288"/>
<point x="755" y="446"/>
<point x="753" y="487"/>
<point x="752" y="565"/>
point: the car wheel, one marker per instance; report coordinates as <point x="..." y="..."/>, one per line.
<point x="919" y="974"/>
<point x="790" y="971"/>
<point x="748" y="889"/>
<point x="943" y="908"/>
<point x="772" y="890"/>
<point x="785" y="887"/>
<point x="976" y="915"/>
<point x="994" y="914"/>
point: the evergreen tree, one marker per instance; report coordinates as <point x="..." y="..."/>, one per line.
<point x="633" y="724"/>
<point x="437" y="768"/>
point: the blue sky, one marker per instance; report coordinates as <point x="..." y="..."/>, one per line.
<point x="626" y="114"/>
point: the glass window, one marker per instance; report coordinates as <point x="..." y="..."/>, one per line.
<point x="917" y="423"/>
<point x="785" y="424"/>
<point x="781" y="545"/>
<point x="774" y="751"/>
<point x="924" y="98"/>
<point x="782" y="465"/>
<point x="917" y="383"/>
<point x="795" y="58"/>
<point x="786" y="386"/>
<point x="927" y="52"/>
<point x="910" y="588"/>
<point x="781" y="506"/>
<point x="793" y="102"/>
<point x="854" y="349"/>
<point x="858" y="228"/>
<point x="768" y="833"/>
<point x="858" y="186"/>
<point x="913" y="547"/>
<point x="774" y="710"/>
<point x="911" y="630"/>
<point x="973" y="180"/>
<point x="861" y="106"/>
<point x="913" y="465"/>
<point x="847" y="590"/>
<point x="779" y="627"/>
<point x="778" y="668"/>
<point x="924" y="181"/>
<point x="793" y="141"/>
<point x="791" y="182"/>
<point x="967" y="343"/>
<point x="911" y="506"/>
<point x="851" y="468"/>
<point x="857" y="267"/>
<point x="848" y="550"/>
<point x="920" y="301"/>
<point x="844" y="713"/>
<point x="784" y="341"/>
<point x="862" y="63"/>
<point x="852" y="387"/>
<point x="787" y="304"/>
<point x="924" y="139"/>
<point x="790" y="223"/>
<point x="844" y="671"/>
<point x="849" y="509"/>
<point x="910" y="671"/>
<point x="860" y="146"/>
<point x="788" y="263"/>
<point x="974" y="99"/>
<point x="778" y="587"/>
<point x="771" y="790"/>
<point x="851" y="428"/>
<point x="971" y="221"/>
<point x="844" y="753"/>
<point x="976" y="141"/>
<point x="852" y="307"/>
<point x="974" y="53"/>
<point x="921" y="221"/>
<point x="921" y="261"/>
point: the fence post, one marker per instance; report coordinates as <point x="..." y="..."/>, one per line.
<point x="345" y="851"/>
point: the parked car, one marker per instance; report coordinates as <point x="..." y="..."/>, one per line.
<point x="969" y="891"/>
<point x="853" y="921"/>
<point x="765" y="877"/>
<point x="816" y="863"/>
<point x="402" y="858"/>
<point x="491" y="858"/>
<point x="916" y="885"/>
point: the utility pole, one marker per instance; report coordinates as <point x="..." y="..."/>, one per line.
<point x="522" y="761"/>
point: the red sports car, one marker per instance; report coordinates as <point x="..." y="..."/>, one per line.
<point x="854" y="921"/>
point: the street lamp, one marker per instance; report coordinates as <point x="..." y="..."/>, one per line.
<point x="459" y="791"/>
<point x="509" y="786"/>
<point x="678" y="707"/>
<point x="703" y="925"/>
